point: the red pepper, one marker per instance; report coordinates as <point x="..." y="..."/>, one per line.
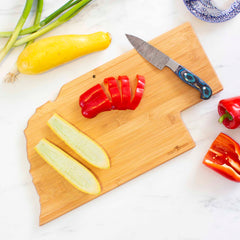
<point x="229" y="111"/>
<point x="223" y="157"/>
<point x="94" y="101"/>
<point x="89" y="94"/>
<point x="138" y="92"/>
<point x="114" y="92"/>
<point x="126" y="92"/>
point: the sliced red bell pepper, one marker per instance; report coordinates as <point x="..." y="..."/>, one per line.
<point x="229" y="111"/>
<point x="126" y="92"/>
<point x="224" y="157"/>
<point x="114" y="92"/>
<point x="138" y="92"/>
<point x="94" y="101"/>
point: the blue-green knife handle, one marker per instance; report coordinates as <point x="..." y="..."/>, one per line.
<point x="194" y="81"/>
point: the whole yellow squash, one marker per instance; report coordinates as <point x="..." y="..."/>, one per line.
<point x="50" y="52"/>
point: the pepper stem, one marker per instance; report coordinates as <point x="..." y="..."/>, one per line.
<point x="224" y="116"/>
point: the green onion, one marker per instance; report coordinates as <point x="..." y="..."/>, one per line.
<point x="15" y="33"/>
<point x="12" y="75"/>
<point x="38" y="15"/>
<point x="45" y="21"/>
<point x="62" y="19"/>
<point x="66" y="6"/>
<point x="39" y="12"/>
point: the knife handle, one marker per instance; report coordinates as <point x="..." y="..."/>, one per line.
<point x="194" y="81"/>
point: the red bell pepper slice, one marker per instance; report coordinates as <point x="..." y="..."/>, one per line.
<point x="126" y="92"/>
<point x="229" y="111"/>
<point x="94" y="101"/>
<point x="138" y="92"/>
<point x="89" y="94"/>
<point x="114" y="92"/>
<point x="224" y="157"/>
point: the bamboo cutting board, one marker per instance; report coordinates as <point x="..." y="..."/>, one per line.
<point x="136" y="141"/>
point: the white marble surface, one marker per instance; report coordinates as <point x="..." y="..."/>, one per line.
<point x="181" y="199"/>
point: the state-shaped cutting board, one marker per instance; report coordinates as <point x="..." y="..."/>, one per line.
<point x="136" y="141"/>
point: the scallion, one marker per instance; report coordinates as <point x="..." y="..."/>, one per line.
<point x="38" y="15"/>
<point x="62" y="19"/>
<point x="45" y="21"/>
<point x="12" y="75"/>
<point x="18" y="28"/>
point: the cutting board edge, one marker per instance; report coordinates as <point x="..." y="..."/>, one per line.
<point x="45" y="219"/>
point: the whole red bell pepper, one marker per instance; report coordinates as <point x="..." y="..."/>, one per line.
<point x="224" y="157"/>
<point x="94" y="101"/>
<point x="229" y="111"/>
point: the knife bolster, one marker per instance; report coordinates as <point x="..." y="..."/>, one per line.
<point x="172" y="65"/>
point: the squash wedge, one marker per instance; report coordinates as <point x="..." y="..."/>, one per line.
<point x="73" y="171"/>
<point x="83" y="145"/>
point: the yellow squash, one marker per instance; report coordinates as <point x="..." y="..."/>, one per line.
<point x="73" y="171"/>
<point x="82" y="145"/>
<point x="51" y="52"/>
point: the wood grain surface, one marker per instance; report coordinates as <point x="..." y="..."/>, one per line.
<point x="136" y="141"/>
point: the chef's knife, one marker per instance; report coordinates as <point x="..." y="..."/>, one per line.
<point x="160" y="60"/>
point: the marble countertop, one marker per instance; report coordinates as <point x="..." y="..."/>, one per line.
<point x="181" y="199"/>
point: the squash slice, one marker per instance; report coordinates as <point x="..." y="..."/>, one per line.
<point x="83" y="145"/>
<point x="73" y="171"/>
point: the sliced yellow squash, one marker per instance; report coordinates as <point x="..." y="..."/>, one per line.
<point x="73" y="171"/>
<point x="84" y="146"/>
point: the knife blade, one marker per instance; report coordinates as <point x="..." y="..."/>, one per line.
<point x="161" y="60"/>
